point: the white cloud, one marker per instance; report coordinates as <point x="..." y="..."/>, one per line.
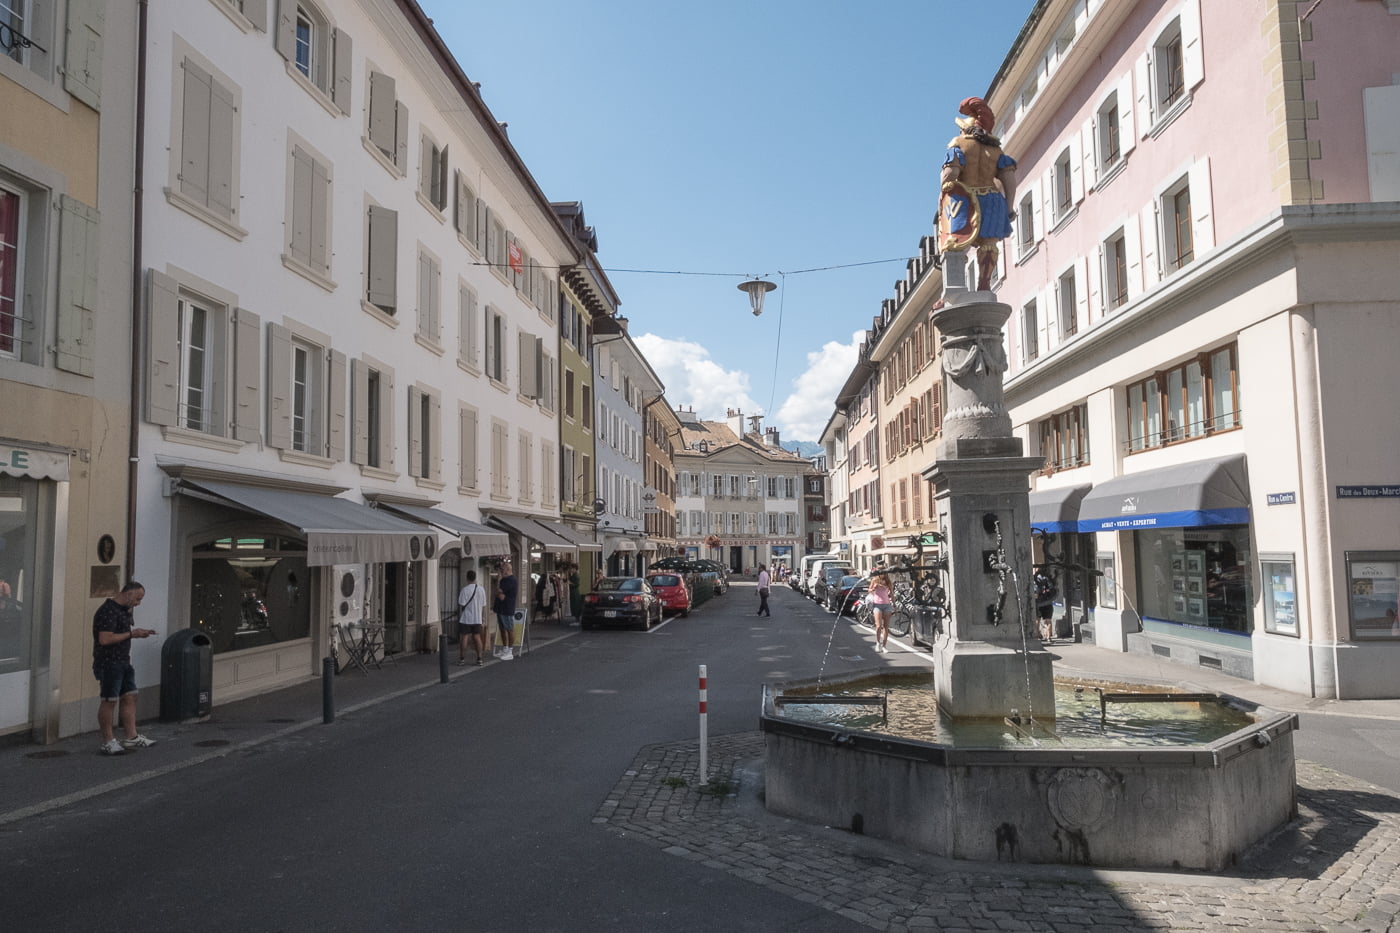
<point x="692" y="378"/>
<point x="806" y="411"/>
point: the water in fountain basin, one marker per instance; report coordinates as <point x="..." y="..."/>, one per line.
<point x="914" y="714"/>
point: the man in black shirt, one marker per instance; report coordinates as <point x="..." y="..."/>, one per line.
<point x="112" y="633"/>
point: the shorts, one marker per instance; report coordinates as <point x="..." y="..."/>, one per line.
<point x="505" y="621"/>
<point x="1045" y="612"/>
<point x="117" y="680"/>
<point x="463" y="629"/>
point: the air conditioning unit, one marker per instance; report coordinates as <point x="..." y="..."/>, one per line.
<point x="349" y="597"/>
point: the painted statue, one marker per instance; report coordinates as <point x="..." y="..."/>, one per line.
<point x="978" y="188"/>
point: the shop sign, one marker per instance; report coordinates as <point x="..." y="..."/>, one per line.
<point x="1368" y="492"/>
<point x="1281" y="498"/>
<point x="34" y="464"/>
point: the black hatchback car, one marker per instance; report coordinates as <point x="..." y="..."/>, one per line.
<point x="621" y="601"/>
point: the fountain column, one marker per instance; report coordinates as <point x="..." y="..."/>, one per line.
<point x="985" y="667"/>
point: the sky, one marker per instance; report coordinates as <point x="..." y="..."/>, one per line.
<point x="729" y="139"/>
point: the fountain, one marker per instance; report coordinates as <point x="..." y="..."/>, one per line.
<point x="1188" y="805"/>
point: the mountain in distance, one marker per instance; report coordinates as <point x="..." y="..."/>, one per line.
<point x="804" y="449"/>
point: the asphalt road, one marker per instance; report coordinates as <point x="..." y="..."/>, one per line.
<point x="468" y="806"/>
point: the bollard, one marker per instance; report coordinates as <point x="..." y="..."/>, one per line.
<point x="704" y="728"/>
<point x="442" y="659"/>
<point x="327" y="691"/>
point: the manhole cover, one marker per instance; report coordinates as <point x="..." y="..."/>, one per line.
<point x="212" y="743"/>
<point x="281" y="720"/>
<point x="51" y="753"/>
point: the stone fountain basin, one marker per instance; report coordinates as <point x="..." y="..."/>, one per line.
<point x="1190" y="806"/>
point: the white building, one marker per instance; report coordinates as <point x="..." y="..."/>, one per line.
<point x="623" y="385"/>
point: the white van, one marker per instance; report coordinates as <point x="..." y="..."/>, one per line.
<point x="809" y="584"/>
<point x="804" y="568"/>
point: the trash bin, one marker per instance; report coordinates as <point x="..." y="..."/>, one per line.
<point x="186" y="676"/>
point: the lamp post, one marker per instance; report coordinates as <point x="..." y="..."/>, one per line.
<point x="756" y="289"/>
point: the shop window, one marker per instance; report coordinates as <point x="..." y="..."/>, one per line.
<point x="22" y="591"/>
<point x="1196" y="576"/>
<point x="1277" y="576"/>
<point x="1194" y="399"/>
<point x="1373" y="594"/>
<point x="247" y="592"/>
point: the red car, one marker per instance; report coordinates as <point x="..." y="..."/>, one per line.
<point x="670" y="588"/>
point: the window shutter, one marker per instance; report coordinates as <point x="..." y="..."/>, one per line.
<point x="1098" y="279"/>
<point x="1142" y="85"/>
<point x="386" y="420"/>
<point x="344" y="56"/>
<point x="1081" y="292"/>
<point x="1151" y="232"/>
<point x="247" y="373"/>
<point x="541" y="383"/>
<point x="381" y="111"/>
<point x="299" y="244"/>
<point x="82" y="71"/>
<point x="255" y="11"/>
<point x="434" y="429"/>
<point x="467" y="451"/>
<point x="1076" y="165"/>
<point x="222" y="117"/>
<point x="401" y="135"/>
<point x="383" y="257"/>
<point x="279" y="385"/>
<point x="434" y="301"/>
<point x="194" y="134"/>
<point x="1127" y="134"/>
<point x="1192" y="61"/>
<point x="529" y="366"/>
<point x="162" y="349"/>
<point x="320" y="253"/>
<point x="285" y="39"/>
<point x="77" y="286"/>
<point x="459" y="205"/>
<point x="425" y="312"/>
<point x="1037" y="217"/>
<point x="425" y="167"/>
<point x="1132" y="246"/>
<point x="335" y="448"/>
<point x="415" y="433"/>
<point x="1202" y="223"/>
<point x="359" y="412"/>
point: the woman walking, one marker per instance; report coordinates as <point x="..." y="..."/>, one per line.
<point x="881" y="607"/>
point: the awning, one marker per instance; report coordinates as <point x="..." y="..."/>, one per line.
<point x="575" y="537"/>
<point x="615" y="543"/>
<point x="1056" y="511"/>
<point x="1207" y="492"/>
<point x="337" y="531"/>
<point x="476" y="539"/>
<point x="33" y="462"/>
<point x="532" y="530"/>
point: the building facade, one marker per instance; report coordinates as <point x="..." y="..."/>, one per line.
<point x="624" y="385"/>
<point x="662" y="430"/>
<point x="1204" y="295"/>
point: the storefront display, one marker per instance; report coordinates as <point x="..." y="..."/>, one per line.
<point x="1373" y="579"/>
<point x="248" y="592"/>
<point x="1276" y="571"/>
<point x="1196" y="576"/>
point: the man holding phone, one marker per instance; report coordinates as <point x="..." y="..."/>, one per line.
<point x="112" y="632"/>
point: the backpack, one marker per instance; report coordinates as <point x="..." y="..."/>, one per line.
<point x="1044" y="586"/>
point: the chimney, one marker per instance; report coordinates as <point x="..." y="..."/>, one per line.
<point x="735" y="419"/>
<point x="755" y="423"/>
<point x="771" y="438"/>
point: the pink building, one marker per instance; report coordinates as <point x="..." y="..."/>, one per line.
<point x="1205" y="284"/>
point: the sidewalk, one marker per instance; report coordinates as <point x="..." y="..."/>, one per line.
<point x="37" y="778"/>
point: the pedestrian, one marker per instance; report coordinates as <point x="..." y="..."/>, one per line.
<point x="1045" y="592"/>
<point x="506" y="589"/>
<point x="881" y="597"/>
<point x="763" y="591"/>
<point x="472" y="599"/>
<point x="112" y="632"/>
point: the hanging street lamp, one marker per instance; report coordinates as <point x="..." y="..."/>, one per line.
<point x="757" y="288"/>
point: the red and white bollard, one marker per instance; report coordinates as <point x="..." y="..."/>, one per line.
<point x="704" y="729"/>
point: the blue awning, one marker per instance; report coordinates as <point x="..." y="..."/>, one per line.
<point x="1056" y="511"/>
<point x="1188" y="495"/>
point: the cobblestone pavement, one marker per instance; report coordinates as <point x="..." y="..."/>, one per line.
<point x="1336" y="868"/>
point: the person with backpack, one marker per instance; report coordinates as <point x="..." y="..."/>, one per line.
<point x="1045" y="592"/>
<point x="472" y="599"/>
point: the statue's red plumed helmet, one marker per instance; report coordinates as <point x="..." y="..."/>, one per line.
<point x="980" y="113"/>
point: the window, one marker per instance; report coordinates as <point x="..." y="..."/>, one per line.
<point x="585" y="406"/>
<point x="388" y="123"/>
<point x="548" y="483"/>
<point x="203" y="366"/>
<point x="309" y="214"/>
<point x="1194" y="399"/>
<point x="468" y="328"/>
<point x="371" y="408"/>
<point x="382" y="264"/>
<point x="531" y="364"/>
<point x="464" y="219"/>
<point x="1067" y="299"/>
<point x="569" y="393"/>
<point x="495" y="345"/>
<point x="318" y="54"/>
<point x="1063" y="189"/>
<point x="1169" y="69"/>
<point x="1373" y="579"/>
<point x="429" y="297"/>
<point x="569" y="481"/>
<point x="1064" y="439"/>
<point x="424" y="433"/>
<point x="1113" y="129"/>
<point x="548" y="381"/>
<point x="433" y="176"/>
<point x="12" y="209"/>
<point x="1166" y="74"/>
<point x="306" y="393"/>
<point x="1115" y="270"/>
<point x="1177" y="240"/>
<point x="1030" y="332"/>
<point x="266" y="568"/>
<point x="525" y="467"/>
<point x="500" y="459"/>
<point x="205" y="148"/>
<point x="1025" y="223"/>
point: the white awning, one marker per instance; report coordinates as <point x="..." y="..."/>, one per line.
<point x="476" y="539"/>
<point x="531" y="530"/>
<point x="579" y="540"/>
<point x="33" y="462"/>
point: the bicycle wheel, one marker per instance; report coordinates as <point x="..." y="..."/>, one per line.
<point x="900" y="620"/>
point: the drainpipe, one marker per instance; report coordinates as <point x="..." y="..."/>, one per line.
<point x="1314" y="511"/>
<point x="133" y="444"/>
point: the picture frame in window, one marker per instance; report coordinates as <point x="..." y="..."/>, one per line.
<point x="1195" y="562"/>
<point x="1179" y="605"/>
<point x="1195" y="587"/>
<point x="1278" y="580"/>
<point x="1107" y="580"/>
<point x="1373" y="601"/>
<point x="1179" y="562"/>
<point x="1196" y="608"/>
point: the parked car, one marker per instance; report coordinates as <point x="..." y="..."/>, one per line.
<point x="843" y="597"/>
<point x="670" y="588"/>
<point x="621" y="601"/>
<point x="818" y="567"/>
<point x="829" y="577"/>
<point x="721" y="575"/>
<point x="696" y="568"/>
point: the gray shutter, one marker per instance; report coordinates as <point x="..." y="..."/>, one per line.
<point x="359" y="412"/>
<point x="381" y="111"/>
<point x="383" y="257"/>
<point x="415" y="432"/>
<point x="279" y="387"/>
<point x="194" y="134"/>
<point x="82" y="69"/>
<point x="541" y="374"/>
<point x="386" y="421"/>
<point x="162" y="349"/>
<point x="255" y="11"/>
<point x="340" y="88"/>
<point x="425" y="168"/>
<point x="468" y="447"/>
<point x="425" y="311"/>
<point x="285" y="40"/>
<point x="529" y="367"/>
<point x="320" y="252"/>
<point x="335" y="448"/>
<point x="222" y="117"/>
<point x="247" y="334"/>
<point x="479" y="231"/>
<point x="458" y="203"/>
<point x="77" y="286"/>
<point x="401" y="135"/>
<point x="434" y="430"/>
<point x="299" y="241"/>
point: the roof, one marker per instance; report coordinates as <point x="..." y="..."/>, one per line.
<point x="718" y="436"/>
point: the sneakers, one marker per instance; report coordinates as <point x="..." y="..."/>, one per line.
<point x="138" y="741"/>
<point x="508" y="654"/>
<point x="112" y="747"/>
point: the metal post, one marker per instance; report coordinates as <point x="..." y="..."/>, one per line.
<point x="327" y="690"/>
<point x="704" y="728"/>
<point x="442" y="659"/>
